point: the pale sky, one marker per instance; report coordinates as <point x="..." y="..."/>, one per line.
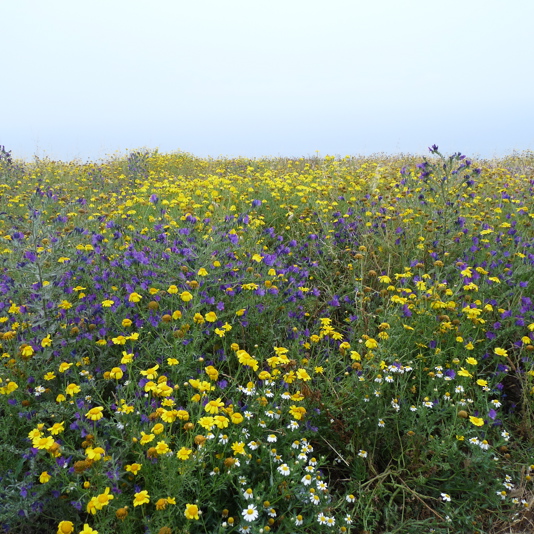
<point x="85" y="79"/>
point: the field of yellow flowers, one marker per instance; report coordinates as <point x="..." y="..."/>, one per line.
<point x="301" y="345"/>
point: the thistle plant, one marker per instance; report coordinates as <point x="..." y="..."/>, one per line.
<point x="447" y="182"/>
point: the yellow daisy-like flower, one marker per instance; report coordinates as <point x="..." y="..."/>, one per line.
<point x="214" y="406"/>
<point x="211" y="317"/>
<point x="238" y="448"/>
<point x="127" y="357"/>
<point x="146" y="438"/>
<point x="64" y="367"/>
<point x="477" y="421"/>
<point x="302" y="374"/>
<point x="237" y="418"/>
<point x="104" y="498"/>
<point x="44" y="477"/>
<point x="198" y="318"/>
<point x="212" y="372"/>
<point x="142" y="497"/>
<point x="133" y="468"/>
<point x="151" y="373"/>
<point x="371" y="343"/>
<point x="57" y="428"/>
<point x="88" y="530"/>
<point x="134" y="297"/>
<point x="94" y="454"/>
<point x="186" y="296"/>
<point x="43" y="443"/>
<point x="191" y="511"/>
<point x="116" y="373"/>
<point x="184" y="453"/>
<point x="95" y="413"/>
<point x="206" y="422"/>
<point x="65" y="527"/>
<point x="162" y="448"/>
<point x="500" y="352"/>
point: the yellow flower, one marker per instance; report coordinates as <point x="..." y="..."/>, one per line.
<point x="26" y="351"/>
<point x="146" y="438"/>
<point x="186" y="296"/>
<point x="151" y="373"/>
<point x="47" y="341"/>
<point x="43" y="443"/>
<point x="134" y="297"/>
<point x="88" y="530"/>
<point x="464" y="372"/>
<point x="303" y="375"/>
<point x="158" y="428"/>
<point x="161" y="504"/>
<point x="116" y="373"/>
<point x="49" y="376"/>
<point x="221" y="421"/>
<point x="126" y="357"/>
<point x="94" y="454"/>
<point x="95" y="413"/>
<point x="65" y="527"/>
<point x="214" y="406"/>
<point x="191" y="511"/>
<point x="212" y="372"/>
<point x="184" y="453"/>
<point x="477" y="421"/>
<point x="237" y="418"/>
<point x="297" y="411"/>
<point x="206" y="422"/>
<point x="104" y="498"/>
<point x="142" y="497"/>
<point x="44" y="477"/>
<point x="371" y="343"/>
<point x="126" y="323"/>
<point x="471" y="361"/>
<point x="238" y="448"/>
<point x="64" y="367"/>
<point x="172" y="290"/>
<point x="501" y="352"/>
<point x="202" y="272"/>
<point x="481" y="382"/>
<point x="133" y="468"/>
<point x="198" y="318"/>
<point x="107" y="303"/>
<point x="57" y="428"/>
<point x="162" y="448"/>
<point x="211" y="317"/>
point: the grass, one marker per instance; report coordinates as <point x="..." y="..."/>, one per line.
<point x="287" y="345"/>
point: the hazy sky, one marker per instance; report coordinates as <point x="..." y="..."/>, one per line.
<point x="84" y="79"/>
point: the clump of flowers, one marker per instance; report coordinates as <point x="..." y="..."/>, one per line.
<point x="247" y="346"/>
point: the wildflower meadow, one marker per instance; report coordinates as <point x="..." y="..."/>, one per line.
<point x="306" y="345"/>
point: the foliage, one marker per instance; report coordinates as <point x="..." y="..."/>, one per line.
<point x="306" y="345"/>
